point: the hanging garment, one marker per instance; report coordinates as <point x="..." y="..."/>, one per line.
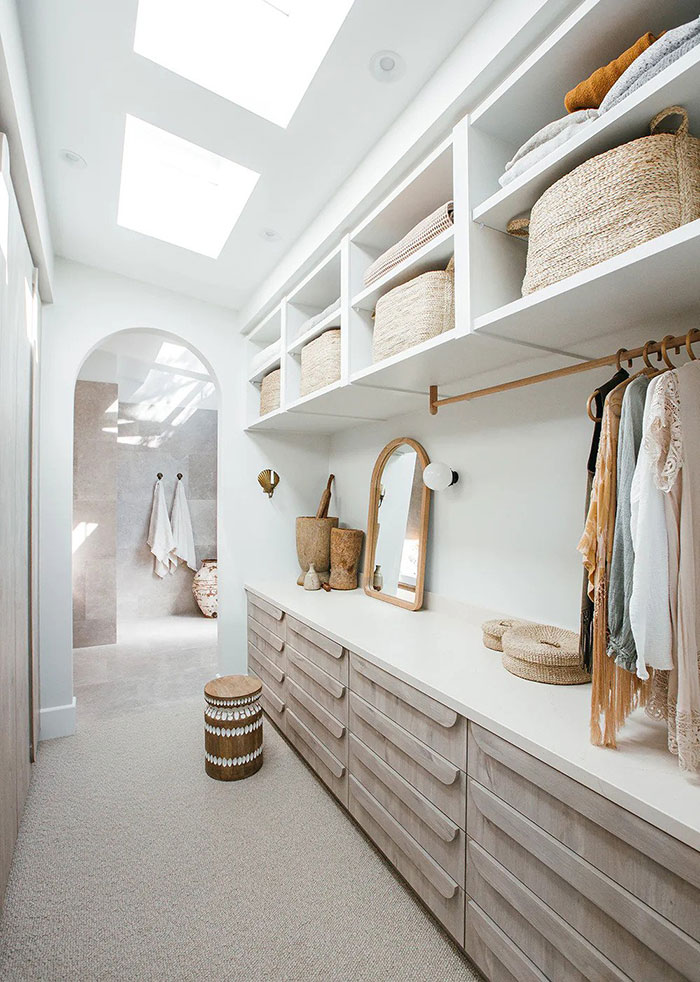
<point x="615" y="692"/>
<point x="183" y="539"/>
<point x="649" y="606"/>
<point x="621" y="645"/>
<point x="160" y="535"/>
<point x="586" y="630"/>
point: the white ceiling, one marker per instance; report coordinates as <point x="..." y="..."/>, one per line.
<point x="85" y="77"/>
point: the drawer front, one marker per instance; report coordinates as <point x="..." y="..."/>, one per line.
<point x="332" y="771"/>
<point x="440" y="727"/>
<point x="326" y="690"/>
<point x="274" y="708"/>
<point x="494" y="953"/>
<point x="539" y="932"/>
<point x="658" y="869"/>
<point x="435" y="832"/>
<point x="438" y="779"/>
<point x="268" y="616"/>
<point x="327" y="654"/>
<point x="632" y="935"/>
<point x="330" y="731"/>
<point x="260" y="670"/>
<point x="272" y="669"/>
<point x="266" y="641"/>
<point x="439" y="892"/>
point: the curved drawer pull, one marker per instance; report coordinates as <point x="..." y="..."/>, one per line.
<point x="314" y="744"/>
<point x="419" y="805"/>
<point x="328" y="722"/>
<point x="497" y="942"/>
<point x="402" y="690"/>
<point x="272" y="669"/>
<point x="330" y="647"/>
<point x="435" y="874"/>
<point x="276" y="703"/>
<point x="316" y="674"/>
<point x="262" y="632"/>
<point x="445" y="772"/>
<point x="266" y="607"/>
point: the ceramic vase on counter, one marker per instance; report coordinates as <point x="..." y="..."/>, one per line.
<point x="205" y="588"/>
<point x="311" y="580"/>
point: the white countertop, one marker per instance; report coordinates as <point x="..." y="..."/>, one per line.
<point x="442" y="654"/>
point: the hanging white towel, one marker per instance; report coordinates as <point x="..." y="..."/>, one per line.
<point x="160" y="534"/>
<point x="183" y="548"/>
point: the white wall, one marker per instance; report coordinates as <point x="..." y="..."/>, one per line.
<point x="253" y="530"/>
<point x="505" y="536"/>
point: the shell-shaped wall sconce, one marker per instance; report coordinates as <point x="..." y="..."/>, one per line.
<point x="268" y="481"/>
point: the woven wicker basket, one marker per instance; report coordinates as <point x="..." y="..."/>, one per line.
<point x="270" y="392"/>
<point x="494" y="631"/>
<point x="542" y="653"/>
<point x="613" y="202"/>
<point x="320" y="362"/>
<point x="414" y="312"/>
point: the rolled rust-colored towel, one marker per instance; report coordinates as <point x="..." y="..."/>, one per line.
<point x="590" y="93"/>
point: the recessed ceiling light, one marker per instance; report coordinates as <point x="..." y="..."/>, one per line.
<point x="74" y="159"/>
<point x="270" y="235"/>
<point x="260" y="54"/>
<point x="387" y="66"/>
<point x="179" y="192"/>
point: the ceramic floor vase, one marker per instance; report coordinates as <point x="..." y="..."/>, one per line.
<point x="346" y="546"/>
<point x="314" y="546"/>
<point x="205" y="588"/>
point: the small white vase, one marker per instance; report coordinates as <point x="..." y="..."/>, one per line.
<point x="377" y="578"/>
<point x="312" y="581"/>
<point x="205" y="588"/>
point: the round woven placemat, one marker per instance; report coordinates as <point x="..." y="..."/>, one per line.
<point x="553" y="674"/>
<point x="495" y="629"/>
<point x="542" y="644"/>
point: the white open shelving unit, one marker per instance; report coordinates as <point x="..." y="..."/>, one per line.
<point x="495" y="326"/>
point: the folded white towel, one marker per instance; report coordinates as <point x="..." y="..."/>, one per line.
<point x="317" y="318"/>
<point x="266" y="355"/>
<point x="160" y="534"/>
<point x="658" y="56"/>
<point x="183" y="548"/>
<point x="545" y="141"/>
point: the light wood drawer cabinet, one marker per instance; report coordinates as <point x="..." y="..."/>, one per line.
<point x="495" y="954"/>
<point x="658" y="869"/>
<point x="633" y="936"/>
<point x="274" y="707"/>
<point x="560" y="952"/>
<point x="440" y="893"/>
<point x="267" y="614"/>
<point x="266" y="672"/>
<point x="435" y="832"/>
<point x="435" y="724"/>
<point x="332" y="771"/>
<point x="329" y="730"/>
<point x="271" y="668"/>
<point x="322" y="651"/>
<point x="326" y="690"/>
<point x="441" y="781"/>
<point x="265" y="641"/>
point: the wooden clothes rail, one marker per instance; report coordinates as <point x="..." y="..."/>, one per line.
<point x="650" y="348"/>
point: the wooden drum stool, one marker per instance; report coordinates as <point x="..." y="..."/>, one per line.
<point x="233" y="727"/>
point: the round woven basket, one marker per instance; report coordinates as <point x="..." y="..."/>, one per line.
<point x="495" y="629"/>
<point x="320" y="362"/>
<point x="542" y="653"/>
<point x="414" y="312"/>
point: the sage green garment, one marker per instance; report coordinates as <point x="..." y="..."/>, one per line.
<point x="621" y="644"/>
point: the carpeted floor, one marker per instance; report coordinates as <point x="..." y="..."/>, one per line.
<point x="133" y="865"/>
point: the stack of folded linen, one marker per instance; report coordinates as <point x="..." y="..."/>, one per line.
<point x="435" y="224"/>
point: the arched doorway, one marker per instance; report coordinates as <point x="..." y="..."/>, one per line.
<point x="145" y="421"/>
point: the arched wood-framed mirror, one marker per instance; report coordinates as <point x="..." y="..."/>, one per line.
<point x="397" y="525"/>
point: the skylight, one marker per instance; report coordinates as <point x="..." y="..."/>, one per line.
<point x="260" y="54"/>
<point x="178" y="192"/>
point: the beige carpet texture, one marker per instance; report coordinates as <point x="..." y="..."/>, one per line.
<point x="133" y="865"/>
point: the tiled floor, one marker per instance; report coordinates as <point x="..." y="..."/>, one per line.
<point x="155" y="664"/>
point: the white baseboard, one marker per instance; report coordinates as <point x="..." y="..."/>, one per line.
<point x="57" y="721"/>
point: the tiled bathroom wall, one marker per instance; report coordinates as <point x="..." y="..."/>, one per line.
<point x="95" y="514"/>
<point x="184" y="444"/>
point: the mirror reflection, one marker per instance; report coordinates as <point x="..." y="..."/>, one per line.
<point x="399" y="519"/>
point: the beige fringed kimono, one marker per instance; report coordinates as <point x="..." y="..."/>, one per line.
<point x="615" y="692"/>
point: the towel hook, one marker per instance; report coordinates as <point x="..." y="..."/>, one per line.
<point x="159" y="476"/>
<point x="179" y="477"/>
